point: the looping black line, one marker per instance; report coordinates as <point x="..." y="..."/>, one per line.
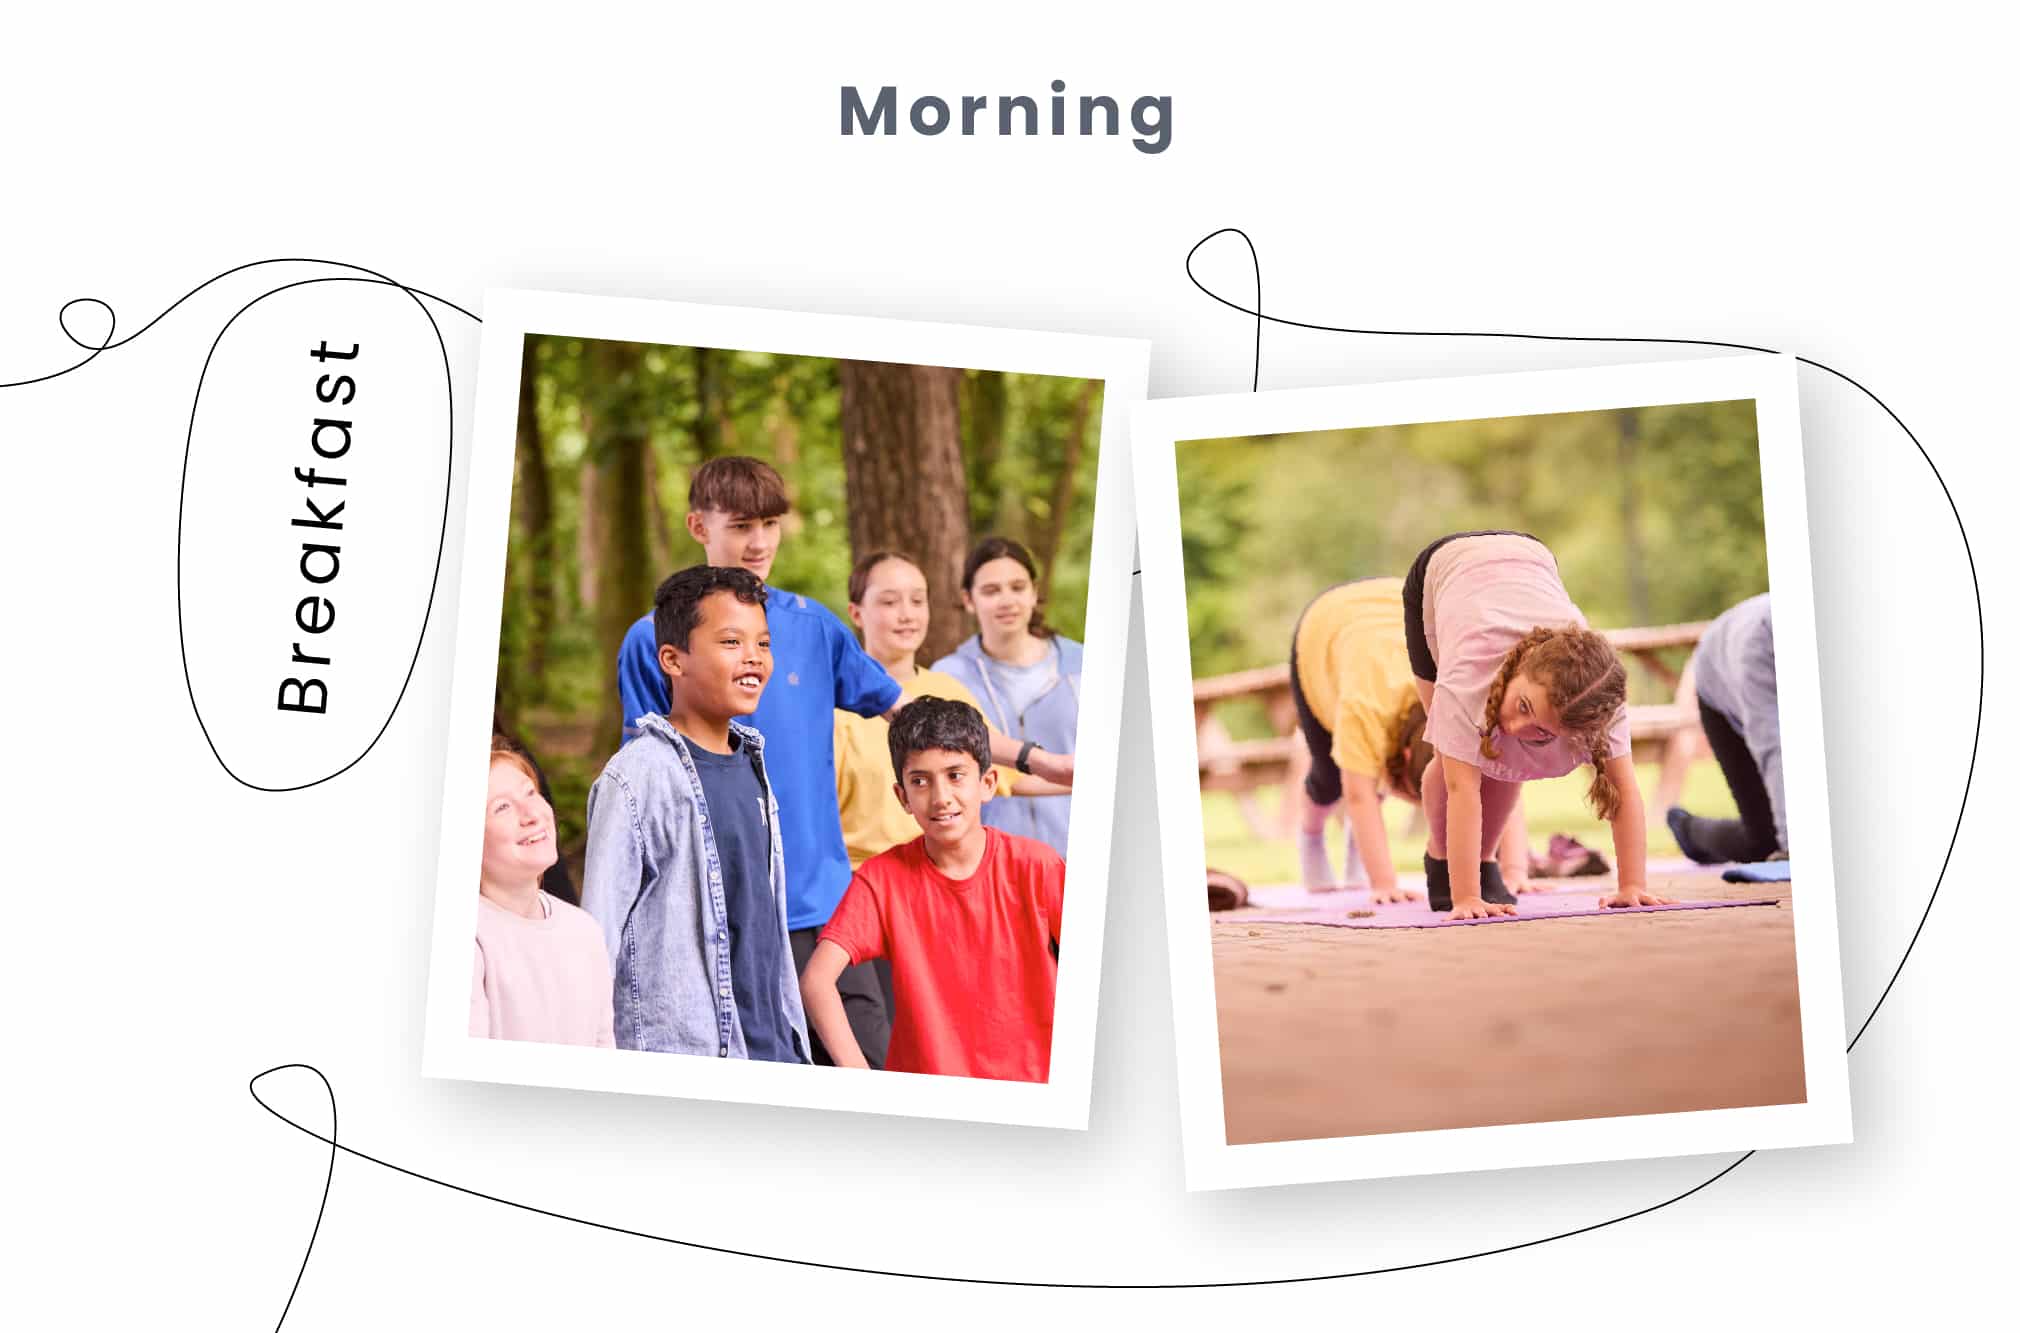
<point x="95" y="349"/>
<point x="335" y="1144"/>
<point x="1977" y="730"/>
<point x="1977" y="594"/>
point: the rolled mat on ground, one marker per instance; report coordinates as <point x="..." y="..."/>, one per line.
<point x="1224" y="892"/>
<point x="1758" y="872"/>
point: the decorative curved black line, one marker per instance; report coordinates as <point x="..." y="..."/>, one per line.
<point x="1977" y="730"/>
<point x="1977" y="597"/>
<point x="329" y="1173"/>
<point x="336" y="1147"/>
<point x="112" y="316"/>
<point x="441" y="537"/>
<point x="95" y="349"/>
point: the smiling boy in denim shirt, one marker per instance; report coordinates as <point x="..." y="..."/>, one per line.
<point x="685" y="872"/>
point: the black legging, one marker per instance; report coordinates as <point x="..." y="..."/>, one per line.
<point x="1751" y="837"/>
<point x="1324" y="782"/>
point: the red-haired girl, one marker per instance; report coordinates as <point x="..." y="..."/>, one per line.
<point x="1515" y="686"/>
<point x="540" y="972"/>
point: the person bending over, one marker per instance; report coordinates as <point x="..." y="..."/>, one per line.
<point x="1515" y="686"/>
<point x="1734" y="667"/>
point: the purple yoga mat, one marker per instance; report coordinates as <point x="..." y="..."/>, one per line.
<point x="1533" y="907"/>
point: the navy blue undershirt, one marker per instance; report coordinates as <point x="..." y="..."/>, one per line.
<point x="738" y="817"/>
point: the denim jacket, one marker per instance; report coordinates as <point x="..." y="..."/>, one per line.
<point x="654" y="884"/>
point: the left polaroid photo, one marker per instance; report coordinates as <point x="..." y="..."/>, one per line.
<point x="781" y="755"/>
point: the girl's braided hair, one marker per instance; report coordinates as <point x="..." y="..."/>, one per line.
<point x="1586" y="684"/>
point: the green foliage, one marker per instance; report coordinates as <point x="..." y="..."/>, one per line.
<point x="691" y="404"/>
<point x="1271" y="522"/>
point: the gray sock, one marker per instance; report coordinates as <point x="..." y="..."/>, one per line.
<point x="1313" y="863"/>
<point x="1357" y="870"/>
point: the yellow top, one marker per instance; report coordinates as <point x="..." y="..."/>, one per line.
<point x="1354" y="670"/>
<point x="873" y="819"/>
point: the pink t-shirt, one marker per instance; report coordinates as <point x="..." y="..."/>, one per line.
<point x="1481" y="595"/>
<point x="545" y="979"/>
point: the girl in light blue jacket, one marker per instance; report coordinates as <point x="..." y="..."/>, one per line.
<point x="1026" y="674"/>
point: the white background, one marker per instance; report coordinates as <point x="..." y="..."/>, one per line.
<point x="1806" y="180"/>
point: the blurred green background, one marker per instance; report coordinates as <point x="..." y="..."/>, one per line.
<point x="603" y="423"/>
<point x="1654" y="515"/>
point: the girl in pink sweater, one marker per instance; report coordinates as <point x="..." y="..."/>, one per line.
<point x="1515" y="686"/>
<point x="541" y="973"/>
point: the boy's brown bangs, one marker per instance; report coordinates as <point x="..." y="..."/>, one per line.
<point x="739" y="487"/>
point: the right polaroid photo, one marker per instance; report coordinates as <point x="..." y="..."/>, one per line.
<point x="1490" y="772"/>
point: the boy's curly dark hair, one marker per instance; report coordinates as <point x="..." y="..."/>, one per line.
<point x="676" y="607"/>
<point x="932" y="723"/>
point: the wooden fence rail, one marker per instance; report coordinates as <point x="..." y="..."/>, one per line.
<point x="1667" y="731"/>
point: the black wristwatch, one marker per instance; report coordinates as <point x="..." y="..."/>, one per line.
<point x="1024" y="756"/>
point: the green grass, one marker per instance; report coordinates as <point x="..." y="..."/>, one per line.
<point x="1555" y="806"/>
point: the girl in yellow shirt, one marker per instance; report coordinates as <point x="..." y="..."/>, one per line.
<point x="1363" y="722"/>
<point x="887" y="603"/>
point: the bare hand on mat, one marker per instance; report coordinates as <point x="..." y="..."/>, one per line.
<point x="1469" y="909"/>
<point x="1630" y="895"/>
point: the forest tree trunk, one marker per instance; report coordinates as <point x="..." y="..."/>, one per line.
<point x="1633" y="546"/>
<point x="708" y="404"/>
<point x="663" y="543"/>
<point x="618" y="441"/>
<point x="907" y="484"/>
<point x="1062" y="488"/>
<point x="533" y="495"/>
<point x="985" y="405"/>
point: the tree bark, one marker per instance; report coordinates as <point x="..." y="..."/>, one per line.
<point x="662" y="540"/>
<point x="589" y="526"/>
<point x="1062" y="488"/>
<point x="534" y="495"/>
<point x="984" y="407"/>
<point x="618" y="444"/>
<point x="1633" y="547"/>
<point x="907" y="483"/>
<point x="708" y="404"/>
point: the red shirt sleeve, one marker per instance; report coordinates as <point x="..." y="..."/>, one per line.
<point x="1052" y="889"/>
<point x="858" y="922"/>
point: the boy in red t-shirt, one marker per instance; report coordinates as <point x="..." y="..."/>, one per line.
<point x="968" y="916"/>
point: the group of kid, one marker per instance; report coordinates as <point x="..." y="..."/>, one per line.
<point x="1476" y="673"/>
<point x="790" y="808"/>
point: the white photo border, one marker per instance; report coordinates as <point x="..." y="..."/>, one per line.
<point x="1123" y="367"/>
<point x="1211" y="1162"/>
